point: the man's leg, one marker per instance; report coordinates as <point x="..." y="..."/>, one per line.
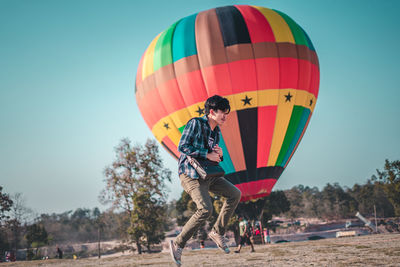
<point x="223" y="187"/>
<point x="252" y="247"/>
<point x="198" y="191"/>
<point x="241" y="239"/>
<point x="238" y="249"/>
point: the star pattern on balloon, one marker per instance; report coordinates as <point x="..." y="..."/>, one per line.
<point x="166" y="125"/>
<point x="200" y="110"/>
<point x="246" y="101"/>
<point x="288" y="97"/>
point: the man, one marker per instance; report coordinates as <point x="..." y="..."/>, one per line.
<point x="192" y="144"/>
<point x="245" y="234"/>
<point x="59" y="253"/>
<point x="267" y="237"/>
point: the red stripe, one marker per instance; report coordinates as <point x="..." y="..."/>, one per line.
<point x="243" y="76"/>
<point x="147" y="116"/>
<point x="266" y="124"/>
<point x="167" y="141"/>
<point x="267" y="73"/>
<point x="314" y="86"/>
<point x="192" y="87"/>
<point x="171" y="96"/>
<point x="289" y="72"/>
<point x="250" y="190"/>
<point x="304" y="75"/>
<point x="152" y="105"/>
<point x="257" y="25"/>
<point x="217" y="80"/>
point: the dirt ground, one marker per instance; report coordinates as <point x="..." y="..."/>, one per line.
<point x="370" y="250"/>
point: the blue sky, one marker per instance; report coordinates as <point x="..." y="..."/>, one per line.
<point x="67" y="71"/>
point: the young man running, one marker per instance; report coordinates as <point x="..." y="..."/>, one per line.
<point x="192" y="144"/>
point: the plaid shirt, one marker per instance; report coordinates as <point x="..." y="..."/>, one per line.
<point x="192" y="144"/>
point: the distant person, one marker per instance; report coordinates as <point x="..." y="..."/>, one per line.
<point x="202" y="244"/>
<point x="200" y="140"/>
<point x="59" y="253"/>
<point x="10" y="256"/>
<point x="267" y="237"/>
<point x="258" y="230"/>
<point x="245" y="234"/>
<point x="202" y="236"/>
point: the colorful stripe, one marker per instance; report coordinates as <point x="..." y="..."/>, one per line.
<point x="233" y="141"/>
<point x="279" y="27"/>
<point x="264" y="98"/>
<point x="290" y="133"/>
<point x="284" y="112"/>
<point x="148" y="59"/>
<point x="163" y="48"/>
<point x="233" y="27"/>
<point x="257" y="25"/>
<point x="296" y="138"/>
<point x="297" y="32"/>
<point x="226" y="164"/>
<point x="260" y="53"/>
<point x="184" y="40"/>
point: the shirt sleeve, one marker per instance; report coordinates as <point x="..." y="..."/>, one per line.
<point x="189" y="145"/>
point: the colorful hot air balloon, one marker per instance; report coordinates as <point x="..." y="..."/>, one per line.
<point x="259" y="59"/>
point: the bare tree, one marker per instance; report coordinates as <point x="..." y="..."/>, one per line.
<point x="20" y="215"/>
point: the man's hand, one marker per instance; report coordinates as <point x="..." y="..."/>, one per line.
<point x="218" y="150"/>
<point x="213" y="156"/>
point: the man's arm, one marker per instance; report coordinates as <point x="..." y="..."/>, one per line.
<point x="188" y="144"/>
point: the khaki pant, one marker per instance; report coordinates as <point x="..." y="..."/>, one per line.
<point x="198" y="189"/>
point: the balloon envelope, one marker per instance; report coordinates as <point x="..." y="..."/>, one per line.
<point x="258" y="58"/>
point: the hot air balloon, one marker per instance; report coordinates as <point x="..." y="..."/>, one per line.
<point x="259" y="59"/>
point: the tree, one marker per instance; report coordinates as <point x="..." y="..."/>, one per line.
<point x="275" y="204"/>
<point x="5" y="205"/>
<point x="36" y="237"/>
<point x="19" y="216"/>
<point x="147" y="220"/>
<point x="295" y="197"/>
<point x="136" y="180"/>
<point x="390" y="176"/>
<point x="337" y="203"/>
<point x="311" y="202"/>
<point x="252" y="210"/>
<point x="369" y="195"/>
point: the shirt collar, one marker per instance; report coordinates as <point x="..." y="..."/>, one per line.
<point x="204" y="118"/>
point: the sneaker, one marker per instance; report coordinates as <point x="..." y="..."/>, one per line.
<point x="220" y="241"/>
<point x="176" y="252"/>
<point x="237" y="251"/>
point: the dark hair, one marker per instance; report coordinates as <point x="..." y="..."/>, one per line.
<point x="217" y="102"/>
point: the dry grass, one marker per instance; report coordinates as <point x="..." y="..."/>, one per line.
<point x="372" y="250"/>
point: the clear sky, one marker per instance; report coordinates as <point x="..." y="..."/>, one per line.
<point x="67" y="71"/>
